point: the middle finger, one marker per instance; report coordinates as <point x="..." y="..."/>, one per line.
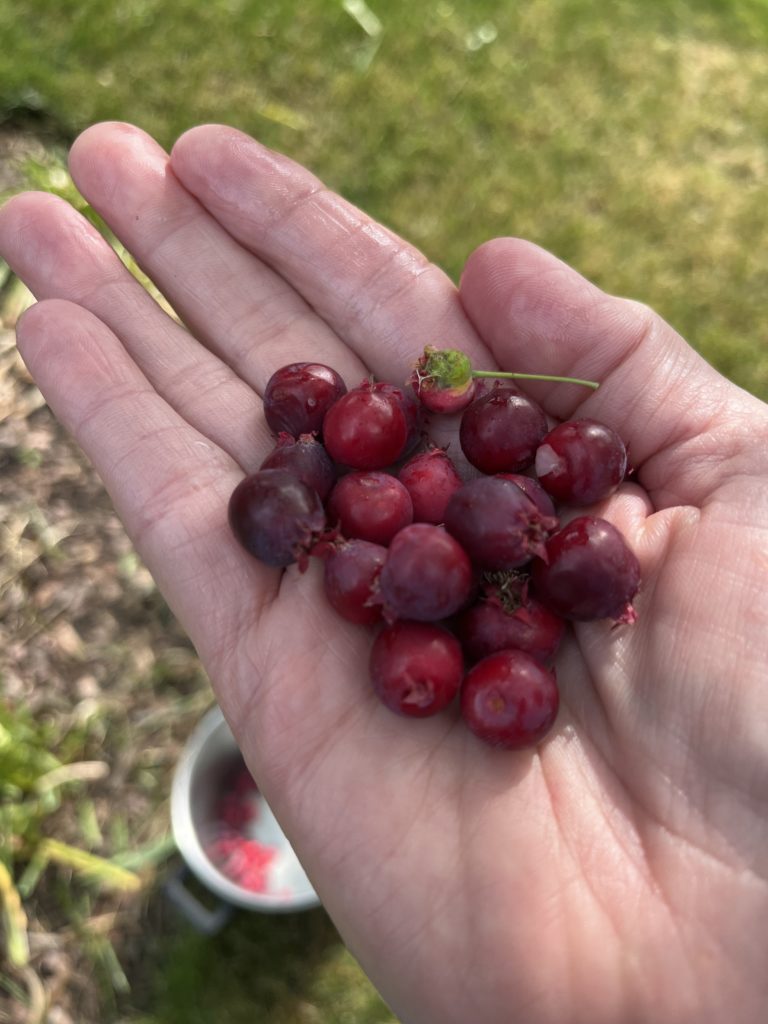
<point x="235" y="305"/>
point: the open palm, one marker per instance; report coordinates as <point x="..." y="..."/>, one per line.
<point x="618" y="873"/>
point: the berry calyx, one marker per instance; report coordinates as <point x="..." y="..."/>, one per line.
<point x="442" y="379"/>
<point x="507" y="616"/>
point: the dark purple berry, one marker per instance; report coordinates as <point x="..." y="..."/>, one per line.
<point x="306" y="458"/>
<point x="427" y="575"/>
<point x="497" y="523"/>
<point x="298" y="396"/>
<point x="276" y="517"/>
<point x="500" y="432"/>
<point x="590" y="572"/>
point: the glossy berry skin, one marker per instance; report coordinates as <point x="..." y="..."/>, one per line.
<point x="275" y="516"/>
<point x="591" y="572"/>
<point x="491" y="625"/>
<point x="298" y="396"/>
<point x="416" y="668"/>
<point x="306" y="458"/>
<point x="430" y="478"/>
<point x="497" y="523"/>
<point x="534" y="490"/>
<point x="427" y="575"/>
<point x="412" y="410"/>
<point x="371" y="505"/>
<point x="368" y="428"/>
<point x="500" y="432"/>
<point x="580" y="462"/>
<point x="447" y="401"/>
<point x="509" y="700"/>
<point x="350" y="573"/>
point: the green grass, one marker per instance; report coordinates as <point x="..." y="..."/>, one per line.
<point x="629" y="138"/>
<point x="286" y="970"/>
<point x="632" y="143"/>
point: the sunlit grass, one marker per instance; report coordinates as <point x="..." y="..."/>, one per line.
<point x="632" y="145"/>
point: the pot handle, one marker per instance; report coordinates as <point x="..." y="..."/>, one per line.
<point x="208" y="921"/>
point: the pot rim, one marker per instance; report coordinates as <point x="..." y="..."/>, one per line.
<point x="187" y="840"/>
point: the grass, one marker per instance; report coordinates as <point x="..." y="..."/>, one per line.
<point x="629" y="139"/>
<point x="632" y="145"/>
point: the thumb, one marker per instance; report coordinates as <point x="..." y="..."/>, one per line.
<point x="687" y="428"/>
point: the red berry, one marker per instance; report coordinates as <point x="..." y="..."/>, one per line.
<point x="581" y="462"/>
<point x="442" y="379"/>
<point x="368" y="428"/>
<point x="509" y="700"/>
<point x="275" y="516"/>
<point x="430" y="478"/>
<point x="412" y="410"/>
<point x="590" y="572"/>
<point x="416" y="667"/>
<point x="427" y="575"/>
<point x="298" y="396"/>
<point x="500" y="432"/>
<point x="371" y="505"/>
<point x="350" y="575"/>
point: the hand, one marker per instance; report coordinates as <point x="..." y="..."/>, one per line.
<point x="616" y="874"/>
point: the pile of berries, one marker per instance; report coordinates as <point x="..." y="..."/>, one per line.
<point x="243" y="859"/>
<point x="470" y="583"/>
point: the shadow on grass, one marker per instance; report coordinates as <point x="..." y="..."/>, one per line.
<point x="281" y="969"/>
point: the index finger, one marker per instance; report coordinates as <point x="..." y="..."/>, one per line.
<point x="380" y="294"/>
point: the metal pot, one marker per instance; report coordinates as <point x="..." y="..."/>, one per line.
<point x="200" y="776"/>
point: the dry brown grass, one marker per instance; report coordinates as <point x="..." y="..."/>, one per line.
<point x="87" y="645"/>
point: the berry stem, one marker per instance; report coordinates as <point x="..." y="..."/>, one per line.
<point x="536" y="376"/>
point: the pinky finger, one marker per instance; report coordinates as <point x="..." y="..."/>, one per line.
<point x="169" y="483"/>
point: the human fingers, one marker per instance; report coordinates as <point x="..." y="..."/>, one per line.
<point x="378" y="293"/>
<point x="169" y="482"/>
<point x="245" y="313"/>
<point x="688" y="429"/>
<point x="61" y="255"/>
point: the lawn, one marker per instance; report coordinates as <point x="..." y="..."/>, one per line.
<point x="629" y="138"/>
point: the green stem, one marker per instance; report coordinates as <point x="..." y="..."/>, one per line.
<point x="536" y="376"/>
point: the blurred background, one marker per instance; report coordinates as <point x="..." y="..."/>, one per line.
<point x="631" y="139"/>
